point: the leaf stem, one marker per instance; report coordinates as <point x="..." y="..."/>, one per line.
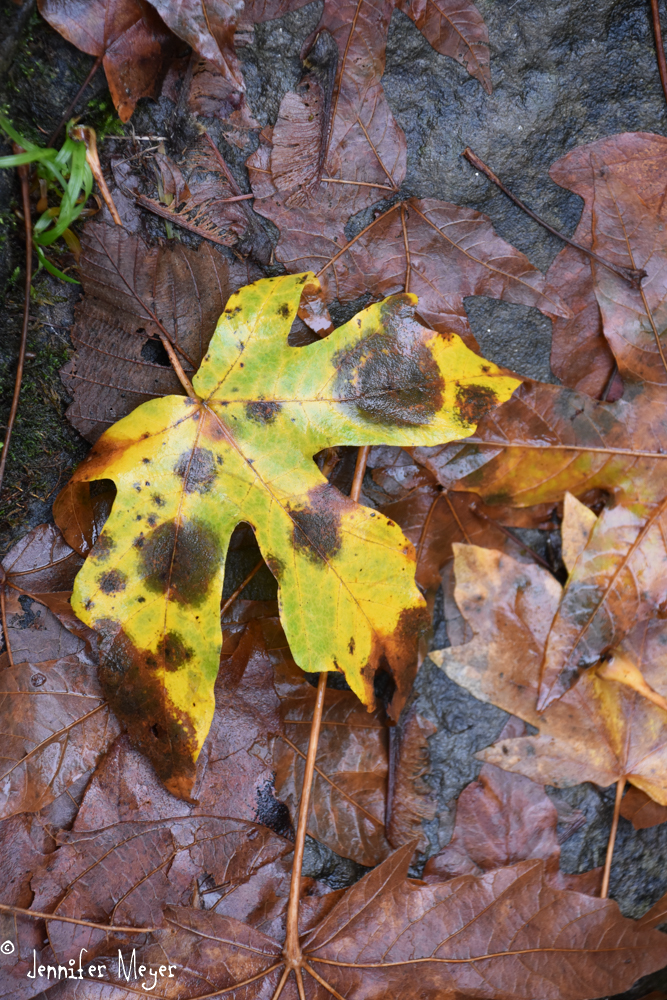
<point x="177" y="366"/>
<point x="604" y="891"/>
<point x="38" y="915"/>
<point x="659" y="48"/>
<point x="633" y="275"/>
<point x="359" y="471"/>
<point x="24" y="174"/>
<point x="292" y="949"/>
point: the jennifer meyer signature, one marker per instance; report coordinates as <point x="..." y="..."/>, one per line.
<point x="97" y="970"/>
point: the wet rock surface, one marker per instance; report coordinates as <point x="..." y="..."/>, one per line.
<point x="564" y="73"/>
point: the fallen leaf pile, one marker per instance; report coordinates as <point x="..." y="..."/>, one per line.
<point x="158" y="717"/>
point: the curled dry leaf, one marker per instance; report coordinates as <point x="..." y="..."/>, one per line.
<point x="599" y="731"/>
<point x="132" y="294"/>
<point x="562" y="441"/>
<point x="152" y="584"/>
<point x="393" y="936"/>
<point x="128" y="35"/>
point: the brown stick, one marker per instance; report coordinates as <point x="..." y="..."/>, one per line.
<point x="620" y="785"/>
<point x="659" y="48"/>
<point x="24" y="174"/>
<point x="72" y="920"/>
<point x="230" y="600"/>
<point x="67" y="115"/>
<point x="359" y="470"/>
<point x="633" y="275"/>
<point x="292" y="949"/>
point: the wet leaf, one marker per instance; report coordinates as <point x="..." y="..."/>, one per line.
<point x="598" y="731"/>
<point x="455" y="29"/>
<point x="55" y="726"/>
<point x="503" y="818"/>
<point x="134" y="42"/>
<point x="131" y="294"/>
<point x="128" y="873"/>
<point x="641" y="810"/>
<point x="393" y="936"/>
<point x="152" y="584"/>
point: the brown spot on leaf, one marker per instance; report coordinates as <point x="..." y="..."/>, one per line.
<point x="181" y="560"/>
<point x="137" y="697"/>
<point x="262" y="411"/>
<point x="473" y="401"/>
<point x="112" y="582"/>
<point x="388" y="381"/>
<point x="316" y="531"/>
<point x="157" y="500"/>
<point x="197" y="469"/>
<point x="283" y="310"/>
<point x="103" y="547"/>
<point x="173" y="651"/>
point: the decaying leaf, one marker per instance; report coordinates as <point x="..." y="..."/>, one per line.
<point x="549" y="440"/>
<point x="126" y="874"/>
<point x="132" y="293"/>
<point x="641" y="810"/>
<point x="200" y="197"/>
<point x="55" y="726"/>
<point x="350" y="786"/>
<point x="55" y="722"/>
<point x="152" y="584"/>
<point x="599" y="731"/>
<point x="503" y="818"/>
<point x="393" y="936"/>
<point x="134" y="42"/>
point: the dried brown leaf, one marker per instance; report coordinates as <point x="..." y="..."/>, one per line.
<point x="134" y="42"/>
<point x="131" y="294"/>
<point x="599" y="731"/>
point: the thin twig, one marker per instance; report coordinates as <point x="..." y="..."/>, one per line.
<point x="633" y="275"/>
<point x="620" y="785"/>
<point x="230" y="600"/>
<point x="24" y="174"/>
<point x="72" y="920"/>
<point x="68" y="114"/>
<point x="406" y="244"/>
<point x="359" y="471"/>
<point x="177" y="366"/>
<point x="292" y="949"/>
<point x="659" y="48"/>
